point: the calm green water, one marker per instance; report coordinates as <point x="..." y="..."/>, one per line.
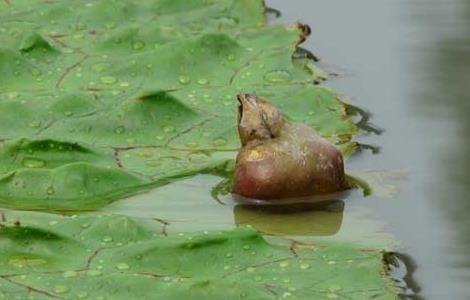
<point x="408" y="62"/>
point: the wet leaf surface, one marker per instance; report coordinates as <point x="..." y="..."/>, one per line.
<point x="102" y="100"/>
<point x="115" y="257"/>
<point x="119" y="97"/>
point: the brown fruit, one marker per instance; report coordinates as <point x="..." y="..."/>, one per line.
<point x="279" y="159"/>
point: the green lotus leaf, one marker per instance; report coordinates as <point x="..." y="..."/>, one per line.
<point x="130" y="95"/>
<point x="115" y="257"/>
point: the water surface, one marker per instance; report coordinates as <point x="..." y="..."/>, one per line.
<point x="408" y="62"/>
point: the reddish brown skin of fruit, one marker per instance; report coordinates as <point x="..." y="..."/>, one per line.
<point x="282" y="160"/>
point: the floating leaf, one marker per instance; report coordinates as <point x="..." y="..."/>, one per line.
<point x="139" y="94"/>
<point x="115" y="257"/>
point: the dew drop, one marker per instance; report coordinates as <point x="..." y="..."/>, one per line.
<point x="35" y="124"/>
<point x="119" y="130"/>
<point x="36" y="72"/>
<point x="85" y="225"/>
<point x="286" y="294"/>
<point x="107" y="239"/>
<point x="138" y="45"/>
<point x="278" y="76"/>
<point x="168" y="129"/>
<point x="332" y="296"/>
<point x="184" y="79"/>
<point x="220" y="142"/>
<point x="61" y="289"/>
<point x="304" y="266"/>
<point x="334" y="288"/>
<point x="246" y="247"/>
<point x="50" y="190"/>
<point x="122" y="266"/>
<point x="229" y="255"/>
<point x="124" y="84"/>
<point x="110" y="25"/>
<point x="100" y="67"/>
<point x="33" y="163"/>
<point x="22" y="261"/>
<point x="283" y="264"/>
<point x="250" y="269"/>
<point x="70" y="274"/>
<point x="82" y="295"/>
<point x="109" y="80"/>
<point x="203" y="81"/>
<point x="231" y="57"/>
<point x="13" y="95"/>
<point x="93" y="273"/>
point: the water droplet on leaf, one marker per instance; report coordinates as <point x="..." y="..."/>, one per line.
<point x="110" y="25"/>
<point x="107" y="239"/>
<point x="168" y="129"/>
<point x="120" y="130"/>
<point x="23" y="261"/>
<point x="82" y="295"/>
<point x="61" y="289"/>
<point x="109" y="80"/>
<point x="138" y="45"/>
<point x="50" y="190"/>
<point x="33" y="163"/>
<point x="122" y="266"/>
<point x="35" y="124"/>
<point x="69" y="274"/>
<point x="278" y="76"/>
<point x="36" y="72"/>
<point x="286" y="294"/>
<point x="100" y="67"/>
<point x="220" y="142"/>
<point x="184" y="79"/>
<point x="203" y="81"/>
<point x="334" y="288"/>
<point x="93" y="273"/>
<point x="13" y="95"/>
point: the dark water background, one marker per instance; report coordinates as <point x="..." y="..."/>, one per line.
<point x="408" y="63"/>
